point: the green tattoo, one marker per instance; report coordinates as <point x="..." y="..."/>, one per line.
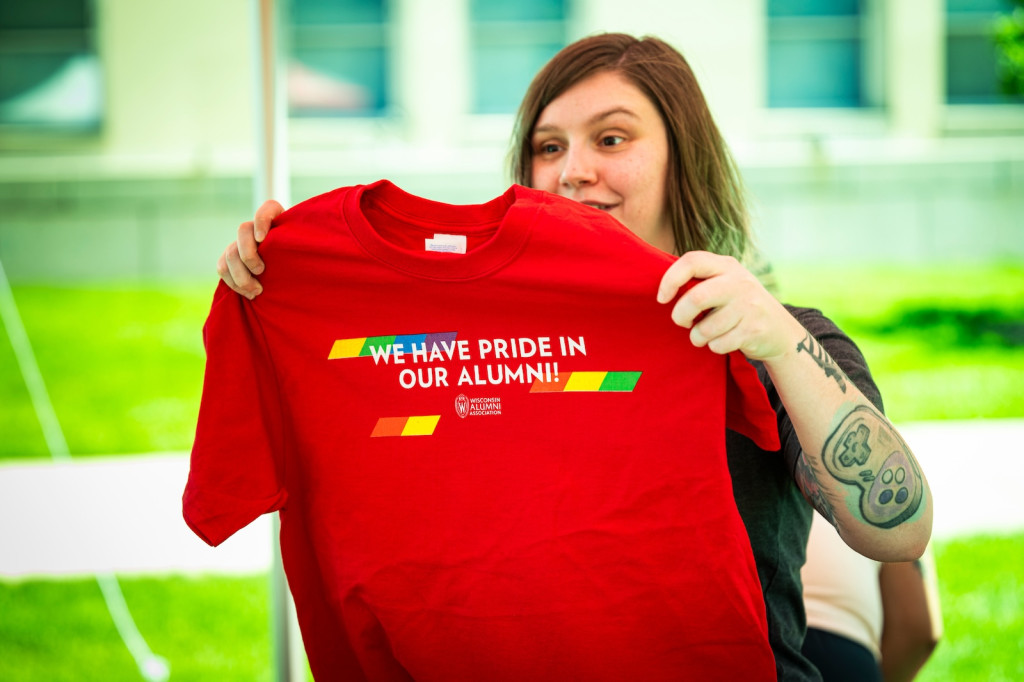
<point x="865" y="451"/>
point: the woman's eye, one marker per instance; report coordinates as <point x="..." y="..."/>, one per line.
<point x="612" y="140"/>
<point x="548" y="148"/>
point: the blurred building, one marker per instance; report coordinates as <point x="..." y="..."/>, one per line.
<point x="867" y="130"/>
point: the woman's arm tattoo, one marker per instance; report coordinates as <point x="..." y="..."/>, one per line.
<point x="866" y="451"/>
<point x="817" y="352"/>
<point x="808" y="483"/>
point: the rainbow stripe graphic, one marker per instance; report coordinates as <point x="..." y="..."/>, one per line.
<point x="405" y="426"/>
<point x="361" y="347"/>
<point x="588" y="382"/>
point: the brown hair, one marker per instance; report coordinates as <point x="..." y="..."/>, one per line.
<point x="703" y="190"/>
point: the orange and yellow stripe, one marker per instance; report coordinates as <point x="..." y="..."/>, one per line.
<point x="406" y="426"/>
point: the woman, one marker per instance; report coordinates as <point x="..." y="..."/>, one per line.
<point x="621" y="124"/>
<point x="866" y="620"/>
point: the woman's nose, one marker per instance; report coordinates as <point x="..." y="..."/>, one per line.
<point x="578" y="170"/>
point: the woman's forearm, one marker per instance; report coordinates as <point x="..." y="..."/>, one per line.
<point x="855" y="468"/>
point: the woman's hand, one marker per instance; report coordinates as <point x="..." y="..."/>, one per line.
<point x="729" y="309"/>
<point x="241" y="262"/>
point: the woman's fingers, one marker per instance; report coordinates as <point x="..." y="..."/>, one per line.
<point x="236" y="274"/>
<point x="723" y="305"/>
<point x="247" y="248"/>
<point x="241" y="259"/>
<point x="264" y="218"/>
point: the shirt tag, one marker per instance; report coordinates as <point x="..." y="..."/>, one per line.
<point x="446" y="243"/>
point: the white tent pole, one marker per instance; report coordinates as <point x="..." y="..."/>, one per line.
<point x="271" y="180"/>
<point x="271" y="177"/>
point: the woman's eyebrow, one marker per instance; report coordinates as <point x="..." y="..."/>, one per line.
<point x="596" y="118"/>
<point x="611" y="112"/>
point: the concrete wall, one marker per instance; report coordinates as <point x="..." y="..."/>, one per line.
<point x="941" y="208"/>
<point x="163" y="186"/>
<point x="946" y="205"/>
<point x="126" y="229"/>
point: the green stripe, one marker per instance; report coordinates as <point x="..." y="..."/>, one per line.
<point x="379" y="342"/>
<point x="620" y="381"/>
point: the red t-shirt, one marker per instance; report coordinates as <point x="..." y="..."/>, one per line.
<point x="503" y="464"/>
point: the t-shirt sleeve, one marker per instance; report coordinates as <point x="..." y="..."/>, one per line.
<point x="846" y="354"/>
<point x="748" y="410"/>
<point x="236" y="471"/>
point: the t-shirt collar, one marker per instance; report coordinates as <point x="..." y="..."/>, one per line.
<point x="497" y="230"/>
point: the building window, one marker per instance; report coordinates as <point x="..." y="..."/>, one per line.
<point x="510" y="42"/>
<point x="50" y="76"/>
<point x="338" y="58"/>
<point x="816" y="53"/>
<point x="971" y="61"/>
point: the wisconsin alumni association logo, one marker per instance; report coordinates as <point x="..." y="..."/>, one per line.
<point x="477" y="407"/>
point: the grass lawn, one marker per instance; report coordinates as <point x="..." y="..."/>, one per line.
<point x="217" y="628"/>
<point x="981" y="590"/>
<point x="208" y="629"/>
<point x="942" y="342"/>
<point x="124" y="364"/>
<point x="124" y="367"/>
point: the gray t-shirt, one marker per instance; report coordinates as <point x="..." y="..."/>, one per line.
<point x="777" y="517"/>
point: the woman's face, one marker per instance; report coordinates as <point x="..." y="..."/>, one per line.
<point x="602" y="142"/>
